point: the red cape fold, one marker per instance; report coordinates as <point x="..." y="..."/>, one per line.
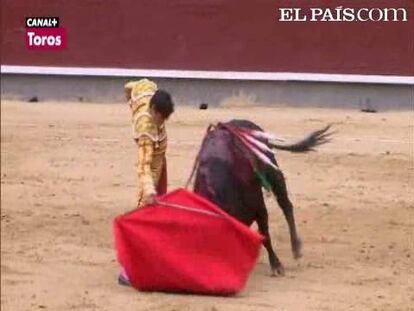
<point x="185" y="244"/>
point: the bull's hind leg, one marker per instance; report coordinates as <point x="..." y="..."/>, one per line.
<point x="262" y="220"/>
<point x="277" y="180"/>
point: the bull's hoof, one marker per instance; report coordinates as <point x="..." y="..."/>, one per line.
<point x="278" y="271"/>
<point x="297" y="249"/>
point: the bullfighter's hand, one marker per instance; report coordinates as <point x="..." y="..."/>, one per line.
<point x="128" y="94"/>
<point x="150" y="199"/>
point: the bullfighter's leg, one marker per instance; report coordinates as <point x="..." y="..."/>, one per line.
<point x="263" y="224"/>
<point x="279" y="189"/>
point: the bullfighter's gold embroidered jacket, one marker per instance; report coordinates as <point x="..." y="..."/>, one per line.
<point x="151" y="139"/>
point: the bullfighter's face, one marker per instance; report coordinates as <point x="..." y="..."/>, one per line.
<point x="156" y="116"/>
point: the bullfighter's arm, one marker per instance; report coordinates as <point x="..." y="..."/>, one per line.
<point x="145" y="155"/>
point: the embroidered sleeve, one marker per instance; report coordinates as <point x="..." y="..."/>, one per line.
<point x="144" y="126"/>
<point x="145" y="157"/>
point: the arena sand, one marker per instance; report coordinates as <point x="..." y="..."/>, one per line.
<point x="68" y="170"/>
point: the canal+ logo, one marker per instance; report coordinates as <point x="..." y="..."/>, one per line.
<point x="45" y="34"/>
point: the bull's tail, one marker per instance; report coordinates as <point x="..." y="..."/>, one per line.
<point x="260" y="143"/>
<point x="309" y="143"/>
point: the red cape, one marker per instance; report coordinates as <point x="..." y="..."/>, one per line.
<point x="185" y="244"/>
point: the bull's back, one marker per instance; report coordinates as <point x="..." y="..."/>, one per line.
<point x="224" y="175"/>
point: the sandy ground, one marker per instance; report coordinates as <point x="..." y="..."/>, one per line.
<point x="67" y="171"/>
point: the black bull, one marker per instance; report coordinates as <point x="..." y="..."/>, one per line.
<point x="225" y="176"/>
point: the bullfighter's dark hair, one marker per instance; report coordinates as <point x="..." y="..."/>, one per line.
<point x="162" y="102"/>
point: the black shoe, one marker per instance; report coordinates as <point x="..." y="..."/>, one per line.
<point x="123" y="281"/>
